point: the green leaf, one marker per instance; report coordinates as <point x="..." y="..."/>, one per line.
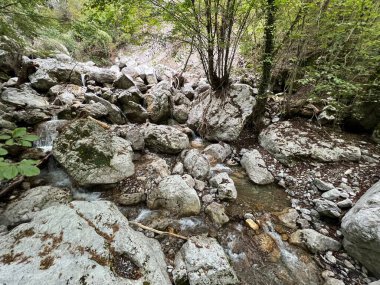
<point x="30" y="138"/>
<point x="5" y="137"/>
<point x="19" y="132"/>
<point x="28" y="170"/>
<point x="9" y="172"/>
<point x="26" y="143"/>
<point x="3" y="151"/>
<point x="28" y="162"/>
<point x="10" y="142"/>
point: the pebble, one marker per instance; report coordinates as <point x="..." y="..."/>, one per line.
<point x="331" y="258"/>
<point x="327" y="273"/>
<point x="347" y="203"/>
<point x="348" y="264"/>
<point x="252" y="224"/>
<point x="207" y="198"/>
<point x="248" y="216"/>
<point x="324" y="231"/>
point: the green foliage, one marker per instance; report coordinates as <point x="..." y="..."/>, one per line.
<point x="10" y="170"/>
<point x="20" y="21"/>
<point x="331" y="46"/>
<point x="26" y="167"/>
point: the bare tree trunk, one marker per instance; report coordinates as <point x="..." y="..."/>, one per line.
<point x="262" y="97"/>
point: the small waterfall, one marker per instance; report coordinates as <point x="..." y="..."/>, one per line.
<point x="56" y="176"/>
<point x="83" y="79"/>
<point x="289" y="259"/>
<point x="47" y="131"/>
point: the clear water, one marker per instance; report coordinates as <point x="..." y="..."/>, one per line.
<point x="48" y="132"/>
<point x="257" y="198"/>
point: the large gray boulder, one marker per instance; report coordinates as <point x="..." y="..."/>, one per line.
<point x="361" y="230"/>
<point x="165" y="139"/>
<point x="314" y="241"/>
<point x="158" y="102"/>
<point x="80" y="243"/>
<point x="222" y="118"/>
<point x="51" y="72"/>
<point x="175" y="195"/>
<point x="24" y="97"/>
<point x="91" y="155"/>
<point x="289" y="142"/>
<point x="197" y="164"/>
<point x="201" y="261"/>
<point x="254" y="164"/>
<point x="32" y="201"/>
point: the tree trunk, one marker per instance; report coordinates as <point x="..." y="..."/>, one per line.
<point x="262" y="96"/>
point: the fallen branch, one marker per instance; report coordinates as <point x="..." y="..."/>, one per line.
<point x="157" y="231"/>
<point x="103" y="125"/>
<point x="11" y="186"/>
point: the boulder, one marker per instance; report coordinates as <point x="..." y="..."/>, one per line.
<point x="165" y="139"/>
<point x="314" y="241"/>
<point x="24" y="208"/>
<point x="66" y="94"/>
<point x="327" y="116"/>
<point x="254" y="164"/>
<point x="24" y="97"/>
<point x="327" y="208"/>
<point x="30" y="116"/>
<point x="174" y="195"/>
<point x="222" y="118"/>
<point x="225" y="185"/>
<point x="361" y="230"/>
<point x="158" y="102"/>
<point x="91" y="155"/>
<point x="80" y="243"/>
<point x="217" y="213"/>
<point x="51" y="72"/>
<point x="196" y="164"/>
<point x="217" y="152"/>
<point x="123" y="81"/>
<point x="181" y="113"/>
<point x="147" y="73"/>
<point x="322" y="185"/>
<point x="202" y="260"/>
<point x="289" y="142"/>
<point x="133" y="133"/>
<point x="114" y="114"/>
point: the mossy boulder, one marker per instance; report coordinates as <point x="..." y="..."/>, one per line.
<point x="91" y="155"/>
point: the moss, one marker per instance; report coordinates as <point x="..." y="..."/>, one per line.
<point x="90" y="155"/>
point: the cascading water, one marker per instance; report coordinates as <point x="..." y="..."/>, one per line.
<point x="48" y="132"/>
<point x="83" y="79"/>
<point x="287" y="256"/>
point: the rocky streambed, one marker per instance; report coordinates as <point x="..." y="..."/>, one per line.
<point x="131" y="193"/>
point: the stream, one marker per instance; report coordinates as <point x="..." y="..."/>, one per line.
<point x="262" y="256"/>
